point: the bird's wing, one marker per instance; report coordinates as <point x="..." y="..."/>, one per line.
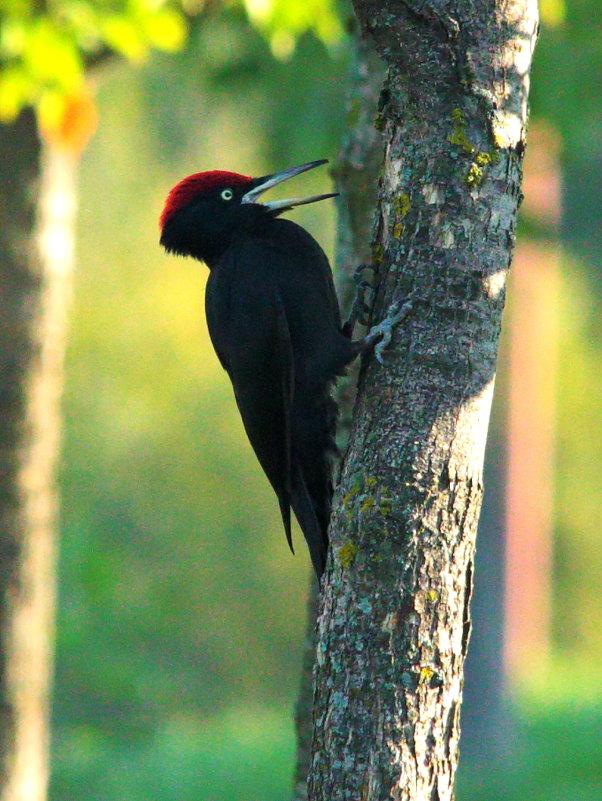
<point x="286" y="370"/>
<point x="312" y="264"/>
<point x="272" y="323"/>
<point x="261" y="368"/>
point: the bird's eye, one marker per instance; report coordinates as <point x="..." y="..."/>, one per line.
<point x="227" y="194"/>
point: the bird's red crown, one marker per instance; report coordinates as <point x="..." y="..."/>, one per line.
<point x="188" y="188"/>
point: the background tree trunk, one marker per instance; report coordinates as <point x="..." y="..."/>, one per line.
<point x="394" y="620"/>
<point x="487" y="724"/>
<point x="37" y="198"/>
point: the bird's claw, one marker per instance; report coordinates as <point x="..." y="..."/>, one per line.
<point x="383" y="332"/>
<point x="357" y="275"/>
<point x="360" y="309"/>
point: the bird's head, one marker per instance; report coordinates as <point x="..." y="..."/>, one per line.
<point x="206" y="211"/>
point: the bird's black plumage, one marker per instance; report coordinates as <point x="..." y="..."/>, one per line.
<point x="274" y="320"/>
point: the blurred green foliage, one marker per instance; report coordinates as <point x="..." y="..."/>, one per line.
<point x="578" y="563"/>
<point x="556" y="755"/>
<point x="284" y="22"/>
<point x="45" y="47"/>
<point x="181" y="610"/>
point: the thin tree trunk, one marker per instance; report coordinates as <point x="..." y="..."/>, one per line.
<point x="36" y="254"/>
<point x="394" y="619"/>
<point x="532" y="413"/>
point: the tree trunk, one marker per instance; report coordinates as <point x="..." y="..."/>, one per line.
<point x="394" y="619"/>
<point x="36" y="252"/>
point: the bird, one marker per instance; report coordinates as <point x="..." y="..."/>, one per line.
<point x="274" y="322"/>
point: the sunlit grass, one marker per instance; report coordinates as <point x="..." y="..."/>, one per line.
<point x="248" y="755"/>
<point x="245" y="755"/>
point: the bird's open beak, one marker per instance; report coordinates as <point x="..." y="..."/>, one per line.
<point x="268" y="181"/>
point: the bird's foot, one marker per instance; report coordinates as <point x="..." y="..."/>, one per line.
<point x="360" y="309"/>
<point x="379" y="336"/>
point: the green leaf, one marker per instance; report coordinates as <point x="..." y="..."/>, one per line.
<point x="50" y="56"/>
<point x="12" y="37"/>
<point x="283" y="21"/>
<point x="124" y="36"/>
<point x="165" y="29"/>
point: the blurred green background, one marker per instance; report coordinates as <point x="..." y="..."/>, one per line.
<point x="181" y="612"/>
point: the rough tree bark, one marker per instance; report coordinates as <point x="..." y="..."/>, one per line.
<point x="394" y="617"/>
<point x="36" y="238"/>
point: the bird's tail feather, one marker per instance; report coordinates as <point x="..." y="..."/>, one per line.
<point x="314" y="533"/>
<point x="313" y="428"/>
<point x="285" y="511"/>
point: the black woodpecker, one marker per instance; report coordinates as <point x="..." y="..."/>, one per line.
<point x="275" y="324"/>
